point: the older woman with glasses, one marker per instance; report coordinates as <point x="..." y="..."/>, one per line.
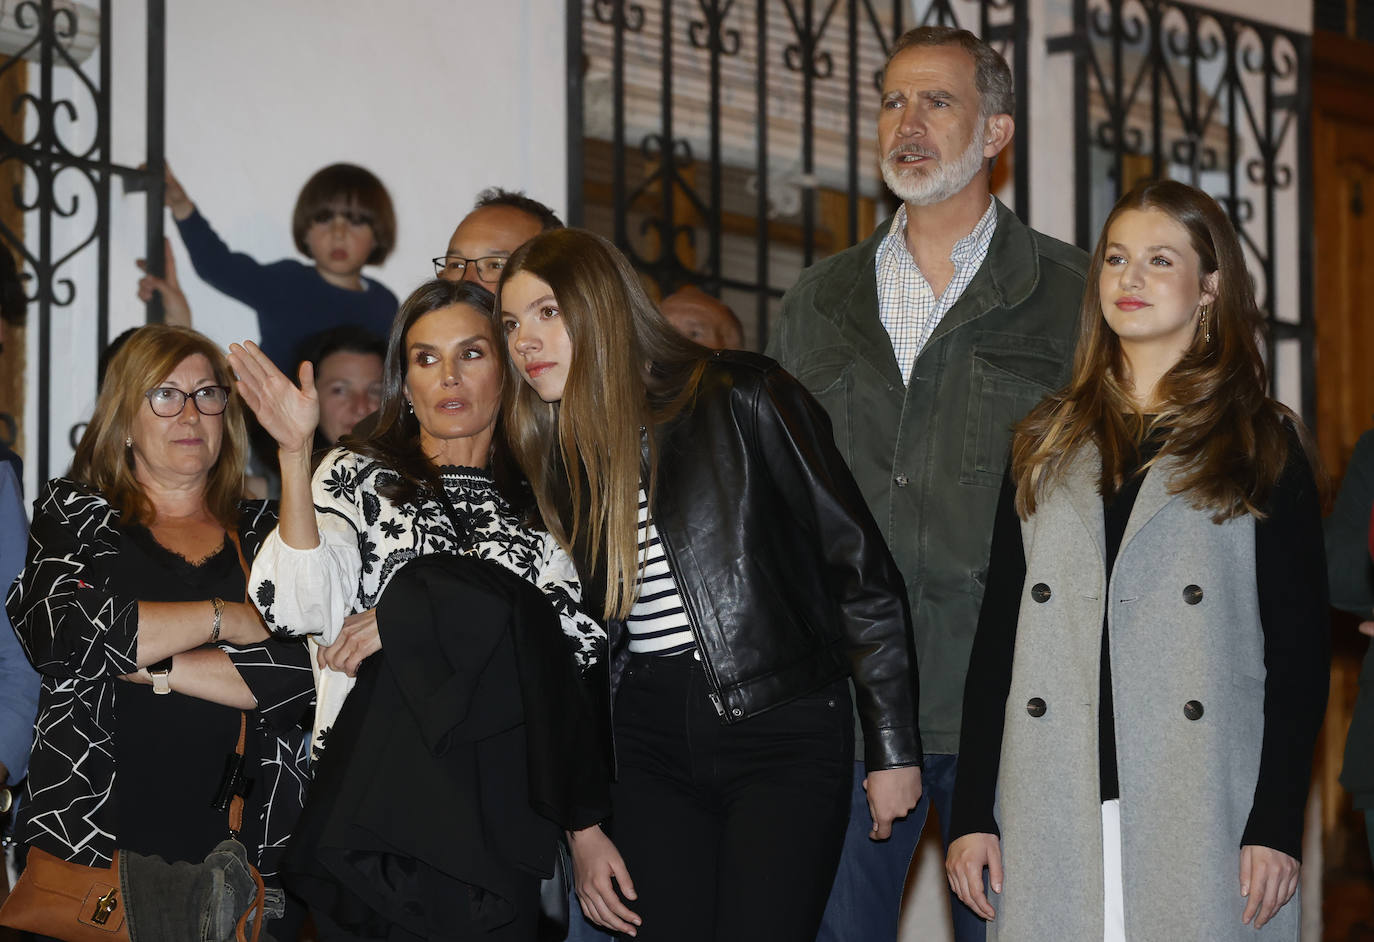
<point x="132" y="605"/>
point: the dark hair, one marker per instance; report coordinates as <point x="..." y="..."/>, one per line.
<point x="102" y="363"/>
<point x="991" y="76"/>
<point x="395" y="438"/>
<point x="351" y="186"/>
<point x="516" y="199"/>
<point x="14" y="303"/>
<point x="347" y="338"/>
<point x="318" y="347"/>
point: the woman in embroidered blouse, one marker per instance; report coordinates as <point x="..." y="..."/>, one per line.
<point x="133" y="586"/>
<point x="429" y="467"/>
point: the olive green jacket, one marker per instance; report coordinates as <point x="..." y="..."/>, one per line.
<point x="930" y="456"/>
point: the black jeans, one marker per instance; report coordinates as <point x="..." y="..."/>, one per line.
<point x="728" y="831"/>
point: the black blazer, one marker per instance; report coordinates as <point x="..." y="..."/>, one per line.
<point x="464" y="748"/>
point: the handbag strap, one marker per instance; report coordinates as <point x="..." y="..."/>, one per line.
<point x="258" y="905"/>
<point x="236" y="802"/>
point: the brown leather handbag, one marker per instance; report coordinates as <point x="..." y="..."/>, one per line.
<point x="76" y="903"/>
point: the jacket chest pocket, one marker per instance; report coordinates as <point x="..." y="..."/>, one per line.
<point x="829" y="377"/>
<point x="1010" y="375"/>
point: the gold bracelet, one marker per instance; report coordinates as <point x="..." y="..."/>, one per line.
<point x="219" y="614"/>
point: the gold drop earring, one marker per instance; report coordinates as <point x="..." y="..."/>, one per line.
<point x="1206" y="328"/>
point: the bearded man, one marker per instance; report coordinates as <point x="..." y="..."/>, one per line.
<point x="926" y="343"/>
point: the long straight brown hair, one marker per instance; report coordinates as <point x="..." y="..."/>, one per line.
<point x="104" y="462"/>
<point x="1222" y="427"/>
<point x="630" y="370"/>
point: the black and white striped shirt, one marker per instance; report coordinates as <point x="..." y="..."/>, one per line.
<point x="658" y="622"/>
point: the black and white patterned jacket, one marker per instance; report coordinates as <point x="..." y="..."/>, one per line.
<point x="81" y="633"/>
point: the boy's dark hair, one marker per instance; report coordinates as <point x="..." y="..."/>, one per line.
<point x="347" y="338"/>
<point x="347" y="186"/>
<point x="516" y="199"/>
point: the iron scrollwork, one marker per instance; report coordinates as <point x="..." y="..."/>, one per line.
<point x="759" y="105"/>
<point x="62" y="173"/>
<point x="1165" y="88"/>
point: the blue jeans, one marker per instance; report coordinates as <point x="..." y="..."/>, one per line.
<point x="866" y="899"/>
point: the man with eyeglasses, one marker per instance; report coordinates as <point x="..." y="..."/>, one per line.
<point x="500" y="222"/>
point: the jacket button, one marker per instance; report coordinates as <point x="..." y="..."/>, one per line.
<point x="1192" y="594"/>
<point x="1035" y="706"/>
<point x="1193" y="710"/>
<point x="1040" y="592"/>
<point x="902" y="480"/>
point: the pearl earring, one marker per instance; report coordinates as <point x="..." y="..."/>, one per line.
<point x="128" y="441"/>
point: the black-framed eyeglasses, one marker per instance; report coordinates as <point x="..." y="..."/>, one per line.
<point x="489" y="267"/>
<point x="168" y="401"/>
<point x="353" y="217"/>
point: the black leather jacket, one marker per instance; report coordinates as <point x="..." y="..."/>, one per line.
<point x="783" y="573"/>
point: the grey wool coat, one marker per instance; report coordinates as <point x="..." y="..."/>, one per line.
<point x="1187" y="662"/>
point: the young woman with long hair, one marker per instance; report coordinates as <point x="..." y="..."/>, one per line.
<point x="721" y="537"/>
<point x="1150" y="669"/>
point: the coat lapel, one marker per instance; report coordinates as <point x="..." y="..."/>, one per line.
<point x="1154" y="496"/>
<point x="1080" y="486"/>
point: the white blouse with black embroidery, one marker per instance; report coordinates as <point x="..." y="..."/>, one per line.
<point x="365" y="538"/>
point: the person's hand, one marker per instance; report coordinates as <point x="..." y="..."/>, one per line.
<point x="964" y="864"/>
<point x="1367" y="628"/>
<point x="289" y="413"/>
<point x="140" y="676"/>
<point x="174" y="195"/>
<point x="1268" y="880"/>
<point x="892" y="793"/>
<point x="597" y="869"/>
<point x="357" y="640"/>
<point x="176" y="309"/>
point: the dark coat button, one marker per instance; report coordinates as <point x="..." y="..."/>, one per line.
<point x="1192" y="594"/>
<point x="1035" y="706"/>
<point x="1193" y="710"/>
<point x="1040" y="592"/>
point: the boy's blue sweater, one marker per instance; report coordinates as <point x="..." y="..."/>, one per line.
<point x="292" y="301"/>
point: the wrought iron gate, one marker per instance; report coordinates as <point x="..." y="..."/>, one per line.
<point x="1163" y="88"/>
<point x="65" y="154"/>
<point x="726" y="123"/>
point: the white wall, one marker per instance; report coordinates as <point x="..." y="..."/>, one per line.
<point x="439" y="98"/>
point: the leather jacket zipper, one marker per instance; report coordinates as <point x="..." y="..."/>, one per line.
<point x="693" y="621"/>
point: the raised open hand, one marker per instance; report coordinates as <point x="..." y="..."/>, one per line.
<point x="289" y="414"/>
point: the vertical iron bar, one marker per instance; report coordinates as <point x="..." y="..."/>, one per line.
<point x="1119" y="112"/>
<point x="1307" y="344"/>
<point x="808" y="192"/>
<point x="1082" y="163"/>
<point x="618" y="125"/>
<point x="1156" y="63"/>
<point x="667" y="164"/>
<point x="1021" y="143"/>
<point x="102" y="184"/>
<point x="761" y="241"/>
<point x="1268" y="154"/>
<point x="576" y="145"/>
<point x="852" y="141"/>
<point x="43" y="172"/>
<point x="713" y="222"/>
<point x="157" y="43"/>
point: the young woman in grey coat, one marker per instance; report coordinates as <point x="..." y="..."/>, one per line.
<point x="1150" y="669"/>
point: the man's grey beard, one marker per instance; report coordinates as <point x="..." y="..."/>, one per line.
<point x="947" y="179"/>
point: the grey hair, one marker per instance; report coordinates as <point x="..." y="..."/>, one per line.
<point x="991" y="75"/>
